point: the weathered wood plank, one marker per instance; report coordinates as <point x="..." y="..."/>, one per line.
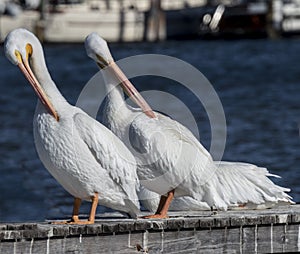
<point x="252" y="231"/>
<point x="291" y="238"/>
<point x="265" y="239"/>
<point x="249" y="239"/>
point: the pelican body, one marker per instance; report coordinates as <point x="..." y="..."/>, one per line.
<point x="85" y="157"/>
<point x="171" y="161"/>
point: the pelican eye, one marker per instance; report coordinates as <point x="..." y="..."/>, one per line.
<point x="102" y="62"/>
<point x="28" y="50"/>
<point x="18" y="56"/>
<point x="101" y="66"/>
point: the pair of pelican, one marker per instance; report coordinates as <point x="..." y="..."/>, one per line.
<point x="92" y="163"/>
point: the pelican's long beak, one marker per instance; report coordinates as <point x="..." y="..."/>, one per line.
<point x="26" y="70"/>
<point x="130" y="90"/>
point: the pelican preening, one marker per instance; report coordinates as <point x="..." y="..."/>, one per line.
<point x="171" y="161"/>
<point x="86" y="158"/>
<point x="93" y="164"/>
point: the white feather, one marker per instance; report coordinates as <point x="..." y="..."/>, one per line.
<point x="81" y="154"/>
<point x="170" y="157"/>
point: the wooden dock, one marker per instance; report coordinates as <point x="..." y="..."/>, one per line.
<point x="248" y="231"/>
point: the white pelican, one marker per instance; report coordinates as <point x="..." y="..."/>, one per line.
<point x="85" y="157"/>
<point x="171" y="161"/>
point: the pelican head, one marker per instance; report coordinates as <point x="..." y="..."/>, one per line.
<point x="97" y="49"/>
<point x="18" y="45"/>
<point x="22" y="48"/>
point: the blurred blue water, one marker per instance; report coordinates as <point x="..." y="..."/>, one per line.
<point x="258" y="82"/>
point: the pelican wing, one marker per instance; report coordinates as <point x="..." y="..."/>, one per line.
<point x="219" y="184"/>
<point x="110" y="153"/>
<point x="171" y="153"/>
<point x="143" y="132"/>
<point x="184" y="133"/>
<point x="249" y="183"/>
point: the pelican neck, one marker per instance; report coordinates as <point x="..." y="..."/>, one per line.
<point x="43" y="76"/>
<point x="115" y="94"/>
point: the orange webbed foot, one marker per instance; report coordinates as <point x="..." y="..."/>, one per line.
<point x="59" y="222"/>
<point x="74" y="221"/>
<point x="71" y="222"/>
<point x="156" y="216"/>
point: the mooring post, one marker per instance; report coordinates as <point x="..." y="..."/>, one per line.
<point x="274" y="18"/>
<point x="41" y="23"/>
<point x="156" y="22"/>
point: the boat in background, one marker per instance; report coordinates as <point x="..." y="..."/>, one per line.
<point x="115" y="20"/>
<point x="151" y="20"/>
<point x="287" y="16"/>
<point x="246" y="20"/>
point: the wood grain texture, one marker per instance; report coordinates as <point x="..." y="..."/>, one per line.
<point x="247" y="231"/>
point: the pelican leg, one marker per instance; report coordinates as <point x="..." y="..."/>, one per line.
<point x="75" y="216"/>
<point x="91" y="219"/>
<point x="76" y="206"/>
<point x="162" y="201"/>
<point x="95" y="199"/>
<point x="163" y="207"/>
